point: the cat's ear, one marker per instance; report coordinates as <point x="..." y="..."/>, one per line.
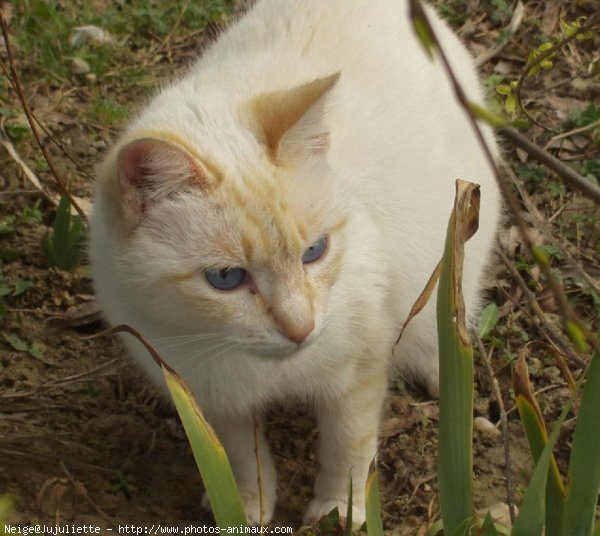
<point x="149" y="170"/>
<point x="292" y="121"/>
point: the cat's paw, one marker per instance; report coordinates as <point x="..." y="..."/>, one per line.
<point x="318" y="508"/>
<point x="251" y="501"/>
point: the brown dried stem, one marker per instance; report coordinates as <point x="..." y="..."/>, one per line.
<point x="15" y="80"/>
<point x="544" y="226"/>
<point x="568" y="315"/>
<point x="568" y="174"/>
<point x="550" y="331"/>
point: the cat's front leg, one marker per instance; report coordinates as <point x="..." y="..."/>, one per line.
<point x="348" y="429"/>
<point x="237" y="436"/>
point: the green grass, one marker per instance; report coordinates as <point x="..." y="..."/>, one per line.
<point x="43" y="29"/>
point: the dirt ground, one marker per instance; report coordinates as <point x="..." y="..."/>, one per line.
<point x="85" y="439"/>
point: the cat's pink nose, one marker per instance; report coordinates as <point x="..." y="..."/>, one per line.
<point x="297" y="331"/>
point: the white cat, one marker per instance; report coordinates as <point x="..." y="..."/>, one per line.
<point x="268" y="221"/>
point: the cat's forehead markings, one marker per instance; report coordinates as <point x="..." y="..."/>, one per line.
<point x="266" y="211"/>
<point x="248" y="248"/>
<point x="215" y="173"/>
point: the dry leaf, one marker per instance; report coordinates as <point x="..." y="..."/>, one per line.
<point x="550" y="16"/>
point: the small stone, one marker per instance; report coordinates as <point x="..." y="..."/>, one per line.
<point x="80" y="66"/>
<point x="485" y="426"/>
<point x="499" y="512"/>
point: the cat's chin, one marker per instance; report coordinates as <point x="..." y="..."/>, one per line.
<point x="276" y="352"/>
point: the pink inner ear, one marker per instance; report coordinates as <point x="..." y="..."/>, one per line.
<point x="134" y="160"/>
<point x="150" y="170"/>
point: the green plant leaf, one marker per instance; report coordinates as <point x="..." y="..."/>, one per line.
<point x="209" y="454"/>
<point x="5" y="288"/>
<point x="374" y="523"/>
<point x="6" y="508"/>
<point x="464" y="529"/>
<point x="455" y="440"/>
<point x="330" y="523"/>
<point x="436" y="528"/>
<point x="421" y="27"/>
<point x="485" y="115"/>
<point x="35" y="350"/>
<point x="488" y="320"/>
<point x="63" y="246"/>
<point x="537" y="437"/>
<point x="62" y="224"/>
<point x="576" y="336"/>
<point x="584" y="465"/>
<point x="488" y="528"/>
<point x="16" y="342"/>
<point x="530" y="521"/>
<point x="21" y="286"/>
<point x="48" y="249"/>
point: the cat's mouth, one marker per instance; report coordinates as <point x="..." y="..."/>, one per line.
<point x="270" y="351"/>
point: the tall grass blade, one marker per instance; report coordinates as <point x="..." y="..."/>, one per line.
<point x="464" y="529"/>
<point x="488" y="528"/>
<point x="530" y="521"/>
<point x="455" y="454"/>
<point x="488" y="320"/>
<point x="209" y="454"/>
<point x="584" y="466"/>
<point x="537" y="437"/>
<point x="374" y="523"/>
<point x="435" y="529"/>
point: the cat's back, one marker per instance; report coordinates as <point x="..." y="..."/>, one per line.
<point x="281" y="43"/>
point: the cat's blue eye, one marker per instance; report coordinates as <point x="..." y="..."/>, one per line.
<point x="315" y="251"/>
<point x="225" y="278"/>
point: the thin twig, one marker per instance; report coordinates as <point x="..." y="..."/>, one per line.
<point x="510" y="490"/>
<point x="80" y="490"/>
<point x="568" y="174"/>
<point x="16" y="82"/>
<point x="544" y="227"/>
<point x="62" y="148"/>
<point x="546" y="54"/>
<point x="84" y="466"/>
<point x="570" y="320"/>
<point x="258" y="472"/>
<point x="549" y="330"/>
<point x="590" y="126"/>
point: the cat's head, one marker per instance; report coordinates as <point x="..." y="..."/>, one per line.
<point x="247" y="246"/>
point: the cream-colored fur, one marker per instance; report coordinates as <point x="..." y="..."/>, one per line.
<point x="305" y="118"/>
